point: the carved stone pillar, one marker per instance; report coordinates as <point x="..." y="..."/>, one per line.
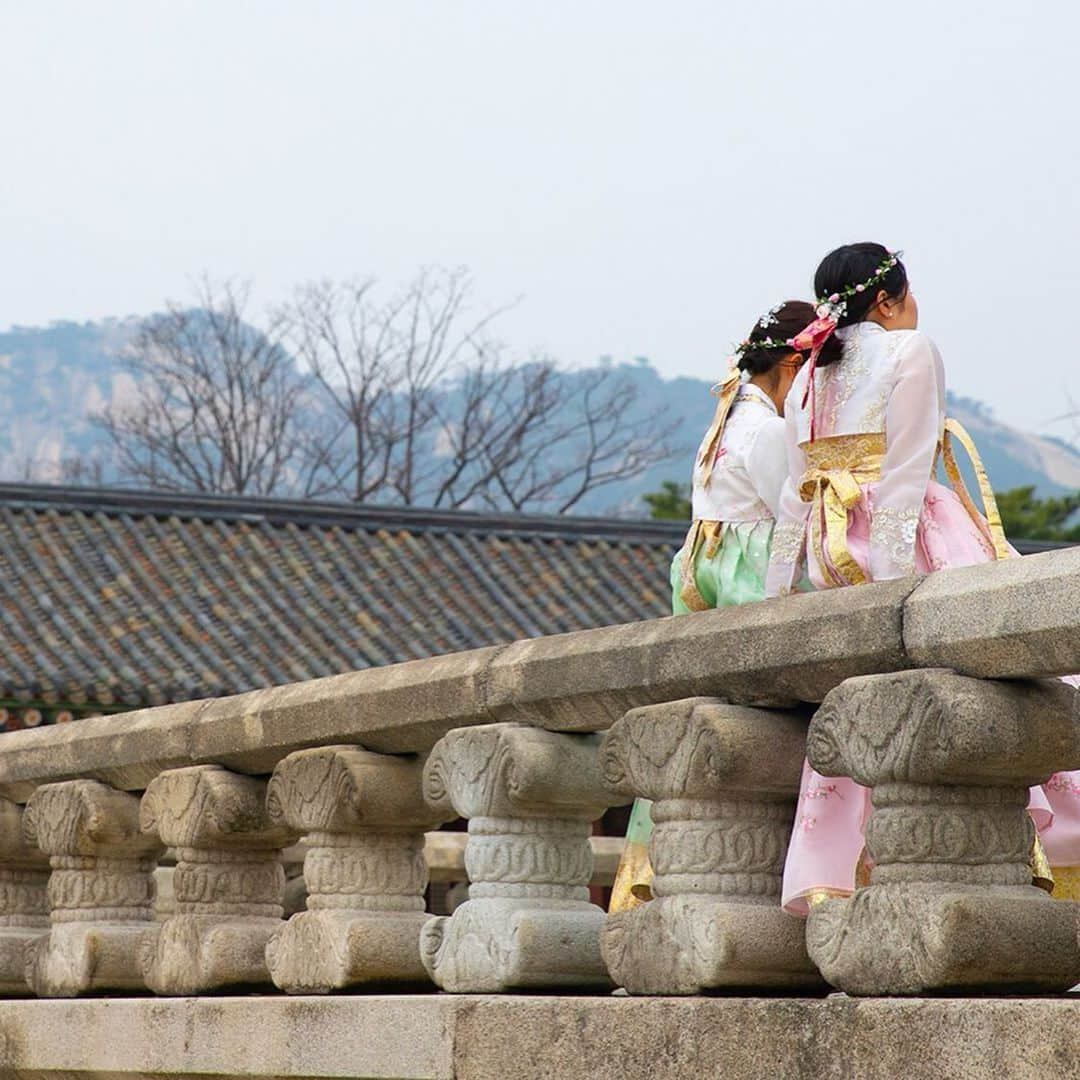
<point x="100" y="891"/>
<point x="530" y="796"/>
<point x="950" y="905"/>
<point x="364" y="818"/>
<point x="723" y="781"/>
<point x="228" y="880"/>
<point x="24" y="906"/>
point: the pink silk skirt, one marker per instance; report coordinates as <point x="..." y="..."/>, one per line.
<point x="827" y="837"/>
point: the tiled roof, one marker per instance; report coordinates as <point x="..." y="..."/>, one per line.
<point x="119" y="599"/>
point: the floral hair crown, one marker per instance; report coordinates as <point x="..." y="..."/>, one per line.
<point x="747" y="344"/>
<point x="835" y="306"/>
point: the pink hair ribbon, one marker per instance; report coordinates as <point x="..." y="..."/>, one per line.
<point x="813" y="338"/>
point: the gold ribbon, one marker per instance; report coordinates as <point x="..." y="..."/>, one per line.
<point x="955" y="430"/>
<point x="726" y="391"/>
<point x="633" y="882"/>
<point x="1041" y="874"/>
<point x="838" y="466"/>
<point x="700" y="531"/>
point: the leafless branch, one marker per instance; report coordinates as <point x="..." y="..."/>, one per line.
<point x="217" y="402"/>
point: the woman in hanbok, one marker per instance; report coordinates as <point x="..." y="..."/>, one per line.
<point x="865" y="426"/>
<point x="739" y="470"/>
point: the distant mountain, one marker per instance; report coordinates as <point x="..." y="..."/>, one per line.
<point x="52" y="378"/>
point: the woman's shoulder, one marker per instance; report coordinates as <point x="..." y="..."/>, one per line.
<point x="914" y="341"/>
<point x="750" y="413"/>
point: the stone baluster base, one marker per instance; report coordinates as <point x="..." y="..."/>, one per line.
<point x="24" y="904"/>
<point x="227" y="884"/>
<point x="950" y="906"/>
<point x="530" y="796"/>
<point x="364" y="818"/>
<point x="100" y="890"/>
<point x="723" y="781"/>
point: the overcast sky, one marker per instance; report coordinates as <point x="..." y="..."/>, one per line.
<point x="647" y="177"/>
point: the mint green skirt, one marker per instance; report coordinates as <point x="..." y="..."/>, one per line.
<point x="731" y="575"/>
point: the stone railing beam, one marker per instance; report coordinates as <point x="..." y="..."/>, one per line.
<point x="1010" y="619"/>
<point x="950" y="905"/>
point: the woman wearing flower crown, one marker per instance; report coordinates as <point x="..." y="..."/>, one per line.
<point x="865" y="424"/>
<point x="739" y="470"/>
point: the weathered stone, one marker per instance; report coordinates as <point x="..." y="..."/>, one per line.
<point x="786" y="650"/>
<point x="227" y="884"/>
<point x="764" y="1038"/>
<point x="723" y="781"/>
<point x="447" y="1037"/>
<point x="24" y="906"/>
<point x="529" y="796"/>
<point x="100" y="890"/>
<point x="950" y="903"/>
<point x="164" y="895"/>
<point x="363" y="816"/>
<point x="258" y="1037"/>
<point x="1016" y="618"/>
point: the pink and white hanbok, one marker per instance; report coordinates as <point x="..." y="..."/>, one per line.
<point x="860" y="504"/>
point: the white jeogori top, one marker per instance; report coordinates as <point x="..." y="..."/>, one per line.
<point x="751" y="463"/>
<point x="889" y="382"/>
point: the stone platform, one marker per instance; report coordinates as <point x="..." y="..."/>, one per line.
<point x="444" y="1037"/>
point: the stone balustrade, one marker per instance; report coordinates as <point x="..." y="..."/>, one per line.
<point x="100" y="889"/>
<point x="723" y="780"/>
<point x="706" y="715"/>
<point x="364" y="818"/>
<point x="530" y="796"/>
<point x="950" y="905"/>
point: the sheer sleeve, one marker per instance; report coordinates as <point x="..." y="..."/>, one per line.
<point x="913" y="418"/>
<point x="766" y="462"/>
<point x="789" y="536"/>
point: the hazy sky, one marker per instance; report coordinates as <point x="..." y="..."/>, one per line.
<point x="647" y="177"/>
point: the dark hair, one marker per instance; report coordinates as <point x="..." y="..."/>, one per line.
<point x="851" y="265"/>
<point x="791" y="318"/>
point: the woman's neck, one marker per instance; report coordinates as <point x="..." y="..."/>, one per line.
<point x="769" y="384"/>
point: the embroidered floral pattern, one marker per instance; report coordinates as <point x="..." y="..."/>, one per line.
<point x="822" y="791"/>
<point x="873" y="418"/>
<point x="893" y="530"/>
<point x="935" y="543"/>
<point x="840" y="380"/>
<point x="787" y="545"/>
<point x="1064" y="783"/>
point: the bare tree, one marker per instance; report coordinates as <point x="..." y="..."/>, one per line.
<point x="217" y="405"/>
<point x="436" y="414"/>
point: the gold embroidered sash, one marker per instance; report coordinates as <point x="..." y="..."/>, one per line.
<point x="839" y="466"/>
<point x="701" y="532"/>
